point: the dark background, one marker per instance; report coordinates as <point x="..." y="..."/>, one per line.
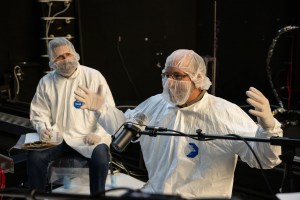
<point x="128" y="42"/>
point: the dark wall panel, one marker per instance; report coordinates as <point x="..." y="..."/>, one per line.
<point x="26" y="78"/>
<point x="245" y="32"/>
<point x="128" y="41"/>
<point x="20" y="41"/>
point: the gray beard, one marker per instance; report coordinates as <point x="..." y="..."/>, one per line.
<point x="67" y="68"/>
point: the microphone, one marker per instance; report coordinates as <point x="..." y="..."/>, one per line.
<point x="129" y="132"/>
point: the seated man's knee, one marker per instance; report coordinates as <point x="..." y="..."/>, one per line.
<point x="101" y="153"/>
<point x="35" y="156"/>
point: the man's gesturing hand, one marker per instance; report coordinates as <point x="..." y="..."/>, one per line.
<point x="262" y="108"/>
<point x="91" y="101"/>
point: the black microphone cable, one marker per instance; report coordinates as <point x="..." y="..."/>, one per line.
<point x="258" y="162"/>
<point x="256" y="158"/>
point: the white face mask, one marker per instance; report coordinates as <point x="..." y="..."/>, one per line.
<point x="65" y="67"/>
<point x="176" y="92"/>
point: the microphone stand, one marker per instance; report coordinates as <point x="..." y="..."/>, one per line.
<point x="287" y="157"/>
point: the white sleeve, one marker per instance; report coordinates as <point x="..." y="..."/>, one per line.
<point x="39" y="109"/>
<point x="111" y="118"/>
<point x="267" y="154"/>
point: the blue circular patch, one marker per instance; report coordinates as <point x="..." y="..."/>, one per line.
<point x="194" y="150"/>
<point x="77" y="104"/>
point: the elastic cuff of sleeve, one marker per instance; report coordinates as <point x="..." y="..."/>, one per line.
<point x="271" y="132"/>
<point x="40" y="127"/>
<point x="102" y="109"/>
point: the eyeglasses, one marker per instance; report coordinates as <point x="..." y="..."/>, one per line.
<point x="174" y="76"/>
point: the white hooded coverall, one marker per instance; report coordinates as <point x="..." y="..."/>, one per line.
<point x="209" y="172"/>
<point x="53" y="104"/>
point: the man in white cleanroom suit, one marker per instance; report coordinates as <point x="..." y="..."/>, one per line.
<point x="54" y="113"/>
<point x="201" y="169"/>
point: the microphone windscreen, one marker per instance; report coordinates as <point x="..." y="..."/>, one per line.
<point x="141" y="119"/>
